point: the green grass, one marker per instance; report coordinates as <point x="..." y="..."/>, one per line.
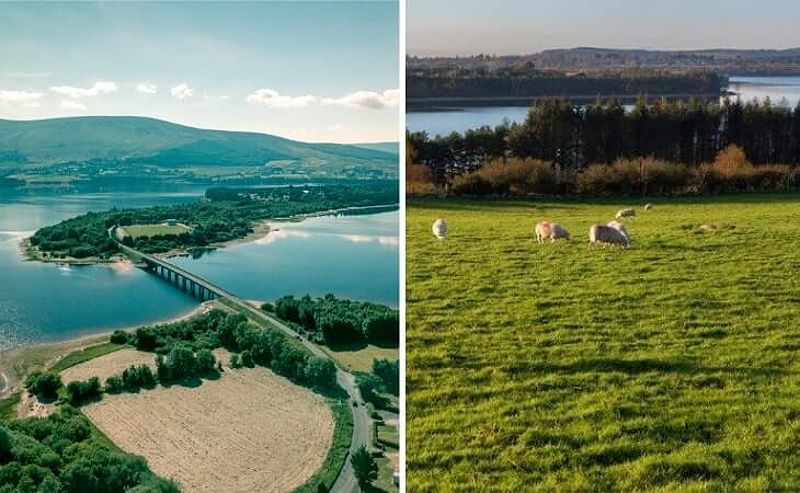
<point x="387" y="435"/>
<point x="140" y="230"/>
<point x="8" y="407"/>
<point x="673" y="365"/>
<point x="359" y="357"/>
<point x="91" y="352"/>
<point x="335" y="460"/>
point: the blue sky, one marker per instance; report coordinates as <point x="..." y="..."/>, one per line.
<point x="435" y="27"/>
<point x="312" y="71"/>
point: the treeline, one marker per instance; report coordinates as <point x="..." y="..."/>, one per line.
<point x="526" y="81"/>
<point x="226" y="214"/>
<point x="61" y="454"/>
<point x="330" y="320"/>
<point x="184" y="349"/>
<point x="573" y="137"/>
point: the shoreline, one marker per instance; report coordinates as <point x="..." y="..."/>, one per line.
<point x="260" y="229"/>
<point x="18" y="362"/>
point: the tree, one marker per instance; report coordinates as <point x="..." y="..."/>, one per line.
<point x="389" y="373"/>
<point x="206" y="362"/>
<point x="320" y="372"/>
<point x="364" y="466"/>
<point x="44" y="384"/>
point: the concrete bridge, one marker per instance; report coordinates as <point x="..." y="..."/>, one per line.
<point x="205" y="290"/>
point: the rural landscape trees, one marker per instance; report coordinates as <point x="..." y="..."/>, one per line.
<point x="565" y="148"/>
<point x="60" y="453"/>
<point x="224" y="215"/>
<point x="336" y="321"/>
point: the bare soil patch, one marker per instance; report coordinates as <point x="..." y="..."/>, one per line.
<point x="250" y="430"/>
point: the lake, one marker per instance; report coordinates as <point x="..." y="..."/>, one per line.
<point x="461" y="119"/>
<point x="350" y="256"/>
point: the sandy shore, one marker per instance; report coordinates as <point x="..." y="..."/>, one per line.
<point x="17" y="364"/>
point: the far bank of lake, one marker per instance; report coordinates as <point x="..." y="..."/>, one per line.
<point x="350" y="256"/>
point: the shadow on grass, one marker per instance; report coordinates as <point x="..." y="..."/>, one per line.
<point x="358" y="346"/>
<point x="636" y="367"/>
<point x="193" y="381"/>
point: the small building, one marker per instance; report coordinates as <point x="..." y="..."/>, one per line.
<point x="171" y="222"/>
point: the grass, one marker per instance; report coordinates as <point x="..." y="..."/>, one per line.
<point x="359" y="357"/>
<point x="673" y="365"/>
<point x="340" y="447"/>
<point x="385" y="475"/>
<point x="387" y="435"/>
<point x="140" y="230"/>
<point x="86" y="354"/>
<point x="8" y="407"/>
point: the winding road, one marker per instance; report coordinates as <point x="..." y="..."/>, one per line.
<point x="346" y="481"/>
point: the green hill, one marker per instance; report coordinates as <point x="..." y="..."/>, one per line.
<point x="130" y="143"/>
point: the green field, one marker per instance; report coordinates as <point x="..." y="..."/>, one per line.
<point x="672" y="365"/>
<point x="359" y="357"/>
<point x="140" y="230"/>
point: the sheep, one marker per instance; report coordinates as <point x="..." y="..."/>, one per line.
<point x="439" y="228"/>
<point x="629" y="212"/>
<point x="648" y="206"/>
<point x="607" y="235"/>
<point x="551" y="230"/>
<point x="619" y="227"/>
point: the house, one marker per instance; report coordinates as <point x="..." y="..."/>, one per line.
<point x="170" y="222"/>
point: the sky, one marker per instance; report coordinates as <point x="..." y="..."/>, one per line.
<point x="311" y="71"/>
<point x="436" y="28"/>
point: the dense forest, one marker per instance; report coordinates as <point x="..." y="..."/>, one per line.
<point x="62" y="453"/>
<point x="565" y="148"/>
<point x="528" y="82"/>
<point x="329" y="320"/>
<point x="223" y="215"/>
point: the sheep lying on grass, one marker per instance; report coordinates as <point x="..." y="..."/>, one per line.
<point x="625" y="213"/>
<point x="647" y="207"/>
<point x="608" y="235"/>
<point x="439" y="228"/>
<point x="549" y="230"/>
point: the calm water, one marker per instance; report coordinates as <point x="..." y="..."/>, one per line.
<point x="47" y="302"/>
<point x="777" y="89"/>
<point x="353" y="257"/>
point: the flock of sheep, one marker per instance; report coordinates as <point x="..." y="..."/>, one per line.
<point x="612" y="233"/>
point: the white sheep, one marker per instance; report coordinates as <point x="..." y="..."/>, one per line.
<point x="439" y="228"/>
<point x="600" y="233"/>
<point x="550" y="230"/>
<point x="648" y="206"/>
<point x="619" y="227"/>
<point x="629" y="212"/>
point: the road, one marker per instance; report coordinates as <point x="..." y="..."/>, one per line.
<point x="362" y="422"/>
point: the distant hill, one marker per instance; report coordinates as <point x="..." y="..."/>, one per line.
<point x="88" y="143"/>
<point x="390" y="147"/>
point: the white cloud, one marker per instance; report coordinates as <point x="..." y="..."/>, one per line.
<point x="69" y="104"/>
<point x="28" y="99"/>
<point x="182" y="91"/>
<point x="367" y="99"/>
<point x="273" y="99"/>
<point x="146" y="88"/>
<point x="99" y="87"/>
<point x="359" y="99"/>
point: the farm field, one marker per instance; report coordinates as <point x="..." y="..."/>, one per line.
<point x="358" y="357"/>
<point x="249" y="430"/>
<point x="139" y="230"/>
<point x="108" y="365"/>
<point x="672" y="365"/>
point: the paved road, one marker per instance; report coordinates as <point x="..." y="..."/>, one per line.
<point x="362" y="422"/>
